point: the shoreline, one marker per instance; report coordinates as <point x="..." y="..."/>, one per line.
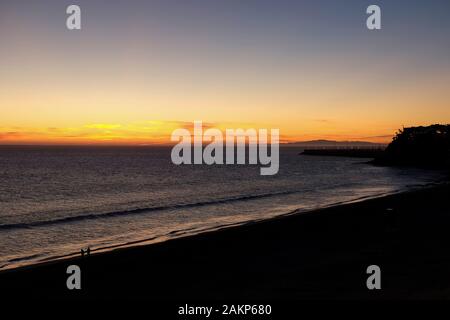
<point x="315" y="255"/>
<point x="164" y="238"/>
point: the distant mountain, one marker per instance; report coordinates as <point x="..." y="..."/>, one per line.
<point x="332" y="143"/>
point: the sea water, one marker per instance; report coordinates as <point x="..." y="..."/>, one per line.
<point x="56" y="200"/>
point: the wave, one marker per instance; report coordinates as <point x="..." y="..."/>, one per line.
<point x="38" y="258"/>
<point x="93" y="216"/>
<point x="33" y="256"/>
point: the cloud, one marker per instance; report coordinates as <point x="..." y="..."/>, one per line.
<point x="386" y="136"/>
<point x="9" y="135"/>
<point x="145" y="132"/>
<point x="103" y="126"/>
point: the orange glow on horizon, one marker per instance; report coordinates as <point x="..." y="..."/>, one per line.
<point x="151" y="133"/>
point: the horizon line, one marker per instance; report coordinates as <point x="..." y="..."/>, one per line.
<point x="171" y="144"/>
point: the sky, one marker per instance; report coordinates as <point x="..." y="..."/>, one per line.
<point x="137" y="70"/>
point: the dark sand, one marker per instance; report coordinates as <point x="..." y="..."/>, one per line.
<point x="319" y="255"/>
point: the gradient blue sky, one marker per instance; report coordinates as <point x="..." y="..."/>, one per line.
<point x="310" y="68"/>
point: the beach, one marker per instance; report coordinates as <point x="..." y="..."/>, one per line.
<point x="65" y="199"/>
<point x="320" y="255"/>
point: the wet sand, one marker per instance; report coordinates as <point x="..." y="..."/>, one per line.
<point x="319" y="255"/>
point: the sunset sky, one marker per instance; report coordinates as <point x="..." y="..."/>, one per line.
<point x="139" y="69"/>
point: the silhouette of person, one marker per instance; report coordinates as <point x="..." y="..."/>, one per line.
<point x="88" y="251"/>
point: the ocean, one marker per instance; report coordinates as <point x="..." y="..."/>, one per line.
<point x="56" y="200"/>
